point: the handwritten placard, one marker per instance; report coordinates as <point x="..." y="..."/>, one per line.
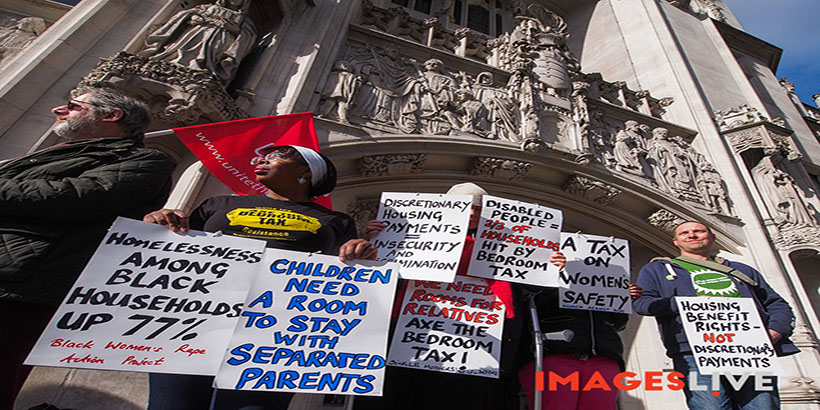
<point x="449" y="327"/>
<point x="152" y="300"/>
<point x="515" y="241"/>
<point x="597" y="273"/>
<point x="424" y="234"/>
<point x="314" y="325"/>
<point x="727" y="336"/>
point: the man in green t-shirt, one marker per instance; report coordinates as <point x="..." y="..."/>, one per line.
<point x="697" y="272"/>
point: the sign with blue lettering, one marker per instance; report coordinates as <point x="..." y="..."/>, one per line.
<point x="449" y="327"/>
<point x="312" y="324"/>
<point x="151" y="300"/>
<point x="597" y="273"/>
<point x="515" y="241"/>
<point x="424" y="234"/>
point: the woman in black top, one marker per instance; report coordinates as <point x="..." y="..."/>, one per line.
<point x="286" y="219"/>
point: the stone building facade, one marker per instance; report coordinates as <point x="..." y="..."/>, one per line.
<point x="628" y="115"/>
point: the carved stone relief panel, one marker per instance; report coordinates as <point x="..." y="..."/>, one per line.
<point x="381" y="89"/>
<point x="363" y="211"/>
<point x="665" y="220"/>
<point x="18" y="35"/>
<point x="391" y="164"/>
<point x="177" y="94"/>
<point x="500" y="168"/>
<point x="654" y="158"/>
<point x="591" y="189"/>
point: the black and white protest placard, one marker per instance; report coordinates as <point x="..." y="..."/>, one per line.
<point x="449" y="327"/>
<point x="312" y="324"/>
<point x="424" y="234"/>
<point x="152" y="300"/>
<point x="515" y="241"/>
<point x="727" y="336"/>
<point x="597" y="273"/>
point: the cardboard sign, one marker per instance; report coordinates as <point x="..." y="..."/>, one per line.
<point x="313" y="325"/>
<point x="515" y="241"/>
<point x="151" y="300"/>
<point x="727" y="336"/>
<point x="597" y="273"/>
<point x="424" y="234"/>
<point x="449" y="327"/>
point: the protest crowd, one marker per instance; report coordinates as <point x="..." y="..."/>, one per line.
<point x="461" y="300"/>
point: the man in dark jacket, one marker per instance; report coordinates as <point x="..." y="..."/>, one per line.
<point x="685" y="275"/>
<point x="55" y="207"/>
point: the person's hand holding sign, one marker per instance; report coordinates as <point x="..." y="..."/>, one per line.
<point x="174" y="219"/>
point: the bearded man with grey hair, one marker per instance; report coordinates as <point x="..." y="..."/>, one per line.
<point x="55" y="207"/>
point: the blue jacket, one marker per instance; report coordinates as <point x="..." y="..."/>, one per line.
<point x="658" y="299"/>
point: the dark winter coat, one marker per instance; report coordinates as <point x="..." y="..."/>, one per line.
<point x="56" y="205"/>
<point x="595" y="333"/>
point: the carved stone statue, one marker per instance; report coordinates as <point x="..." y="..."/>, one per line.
<point x="339" y="91"/>
<point x="711" y="188"/>
<point x="780" y="194"/>
<point x="214" y="37"/>
<point x="14" y="39"/>
<point x="629" y="148"/>
<point x="672" y="167"/>
<point x="502" y="110"/>
<point x="437" y="99"/>
<point x="390" y="95"/>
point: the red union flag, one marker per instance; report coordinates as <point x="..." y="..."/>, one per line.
<point x="226" y="148"/>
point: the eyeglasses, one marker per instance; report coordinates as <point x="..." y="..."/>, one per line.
<point x="72" y="105"/>
<point x="270" y="157"/>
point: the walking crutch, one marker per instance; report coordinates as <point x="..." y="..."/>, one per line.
<point x="564" y="335"/>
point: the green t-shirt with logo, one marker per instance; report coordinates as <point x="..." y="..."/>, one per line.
<point x="708" y="282"/>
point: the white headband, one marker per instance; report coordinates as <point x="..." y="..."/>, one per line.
<point x="317" y="164"/>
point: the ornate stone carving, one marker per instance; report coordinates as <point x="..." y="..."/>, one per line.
<point x="391" y="164"/>
<point x="591" y="189"/>
<point x="363" y="211"/>
<point x="14" y="39"/>
<point x="749" y="138"/>
<point x="180" y="95"/>
<point x="738" y="117"/>
<point x="665" y="220"/>
<point x="784" y="200"/>
<point x="381" y="89"/>
<point x="500" y="168"/>
<point x="213" y="37"/>
<point x="714" y="11"/>
<point x="787" y="85"/>
<point x="792" y="235"/>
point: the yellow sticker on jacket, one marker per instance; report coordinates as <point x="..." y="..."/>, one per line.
<point x="273" y="218"/>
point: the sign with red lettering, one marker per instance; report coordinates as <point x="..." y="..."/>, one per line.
<point x="515" y="241"/>
<point x="597" y="273"/>
<point x="727" y="336"/>
<point x="151" y="300"/>
<point x="449" y="327"/>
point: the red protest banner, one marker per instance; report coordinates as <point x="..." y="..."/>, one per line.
<point x="226" y="148"/>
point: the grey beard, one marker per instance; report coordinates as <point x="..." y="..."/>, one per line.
<point x="80" y="128"/>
